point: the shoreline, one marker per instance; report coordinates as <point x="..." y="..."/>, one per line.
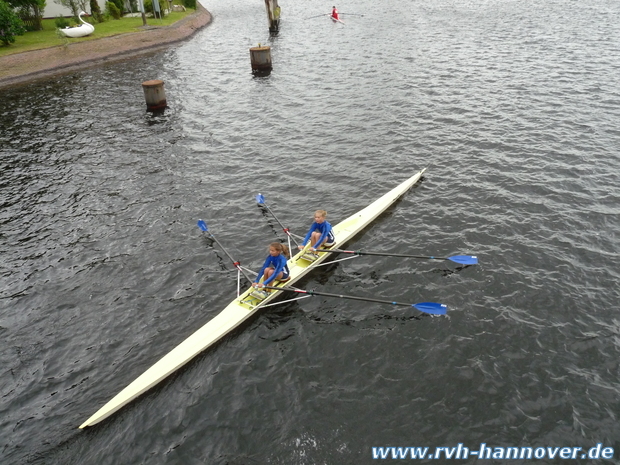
<point x="26" y="67"/>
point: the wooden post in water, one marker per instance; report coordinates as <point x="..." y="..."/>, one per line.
<point x="154" y="94"/>
<point x="142" y="11"/>
<point x="261" y="59"/>
<point x="273" y="15"/>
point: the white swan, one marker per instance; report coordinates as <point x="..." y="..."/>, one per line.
<point x="82" y="30"/>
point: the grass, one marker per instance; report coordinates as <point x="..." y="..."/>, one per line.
<point x="49" y="37"/>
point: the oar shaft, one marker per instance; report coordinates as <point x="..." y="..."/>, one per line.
<point x="236" y="263"/>
<point x="428" y="307"/>
<point x="462" y="259"/>
<point x="383" y="254"/>
<point x="284" y="228"/>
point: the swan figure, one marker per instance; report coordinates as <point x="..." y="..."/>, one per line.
<point x="82" y="30"/>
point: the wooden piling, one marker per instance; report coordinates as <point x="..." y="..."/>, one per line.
<point x="273" y="15"/>
<point x="261" y="59"/>
<point x="154" y="94"/>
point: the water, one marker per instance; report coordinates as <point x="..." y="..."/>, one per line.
<point x="513" y="106"/>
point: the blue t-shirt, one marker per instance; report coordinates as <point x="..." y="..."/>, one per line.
<point x="279" y="263"/>
<point x="324" y="228"/>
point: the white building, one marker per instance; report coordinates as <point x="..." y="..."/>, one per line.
<point x="53" y="9"/>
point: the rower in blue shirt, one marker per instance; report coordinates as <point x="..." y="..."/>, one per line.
<point x="320" y="233"/>
<point x="275" y="266"/>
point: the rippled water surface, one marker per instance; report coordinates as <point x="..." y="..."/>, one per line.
<point x="512" y="105"/>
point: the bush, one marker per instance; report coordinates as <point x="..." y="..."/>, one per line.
<point x="148" y="7"/>
<point x="113" y="10"/>
<point x="120" y="4"/>
<point x="190" y="4"/>
<point x="61" y="22"/>
<point x="10" y="24"/>
<point x="30" y="12"/>
<point x="95" y="11"/>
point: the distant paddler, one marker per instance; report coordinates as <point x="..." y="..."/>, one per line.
<point x="335" y="14"/>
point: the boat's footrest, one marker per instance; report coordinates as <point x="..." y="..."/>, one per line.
<point x="259" y="294"/>
<point x="310" y="257"/>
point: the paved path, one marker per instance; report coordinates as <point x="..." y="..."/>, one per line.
<point x="38" y="64"/>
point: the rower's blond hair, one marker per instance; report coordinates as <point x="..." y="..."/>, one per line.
<point x="321" y="213"/>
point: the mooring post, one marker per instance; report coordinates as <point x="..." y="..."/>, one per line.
<point x="154" y="94"/>
<point x="261" y="59"/>
<point x="273" y="15"/>
<point x="142" y="11"/>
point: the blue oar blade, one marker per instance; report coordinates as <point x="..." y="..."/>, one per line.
<point x="202" y="225"/>
<point x="464" y="259"/>
<point x="432" y="308"/>
<point x="260" y="199"/>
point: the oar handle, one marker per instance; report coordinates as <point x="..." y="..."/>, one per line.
<point x="426" y="307"/>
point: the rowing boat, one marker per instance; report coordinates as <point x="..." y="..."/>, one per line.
<point x="245" y="305"/>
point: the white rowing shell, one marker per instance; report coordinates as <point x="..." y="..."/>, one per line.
<point x="244" y="307"/>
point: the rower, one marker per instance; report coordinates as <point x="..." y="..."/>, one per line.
<point x="320" y="234"/>
<point x="274" y="268"/>
<point x="335" y="13"/>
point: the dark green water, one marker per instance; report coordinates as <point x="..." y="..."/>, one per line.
<point x="512" y="106"/>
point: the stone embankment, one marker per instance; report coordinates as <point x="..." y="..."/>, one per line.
<point x="24" y="67"/>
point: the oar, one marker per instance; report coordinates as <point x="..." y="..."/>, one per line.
<point x="425" y="307"/>
<point x="461" y="259"/>
<point x="351" y="14"/>
<point x="260" y="200"/>
<point x="318" y="16"/>
<point x="202" y="225"/>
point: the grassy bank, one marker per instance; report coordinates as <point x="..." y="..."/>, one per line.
<point x="49" y="36"/>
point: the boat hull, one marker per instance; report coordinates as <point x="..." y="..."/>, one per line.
<point x="243" y="307"/>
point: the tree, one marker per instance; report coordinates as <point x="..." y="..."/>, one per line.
<point x="120" y="4"/>
<point x="96" y="11"/>
<point x="10" y="24"/>
<point x="113" y="10"/>
<point x="74" y="5"/>
<point x="30" y="12"/>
